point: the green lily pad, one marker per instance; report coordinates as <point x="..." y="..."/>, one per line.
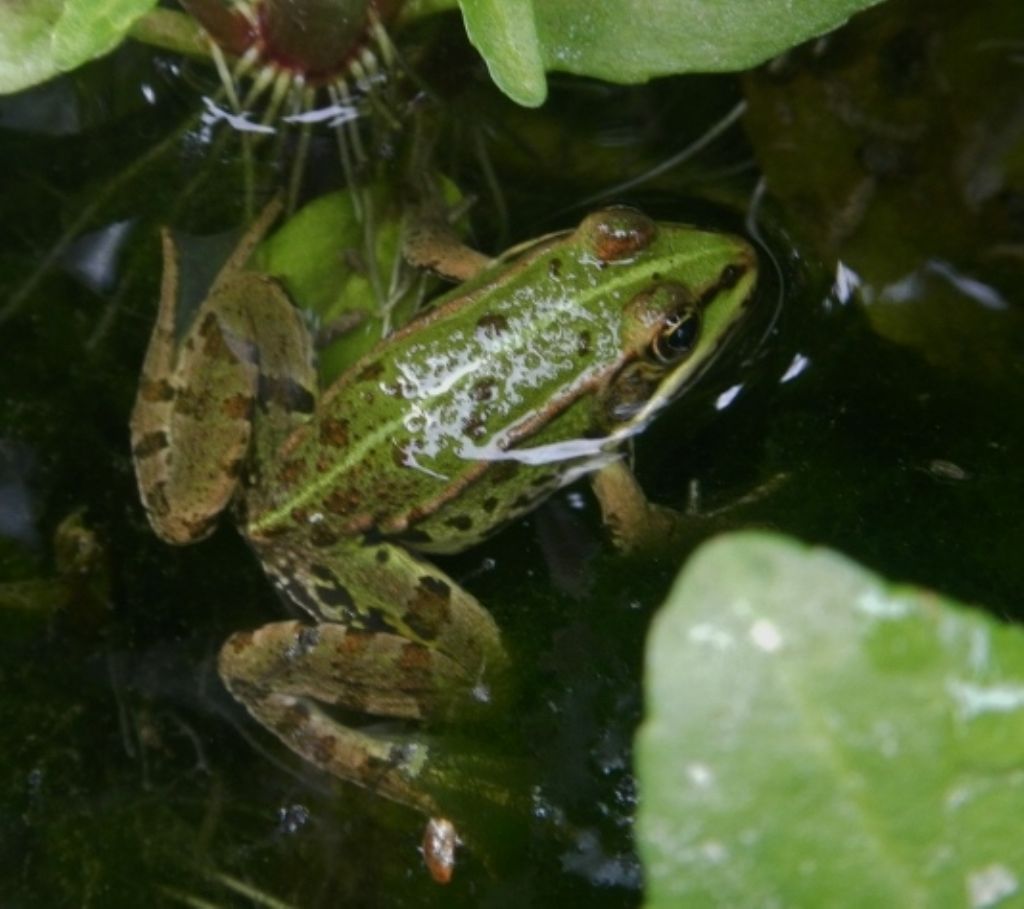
<point x="817" y="736"/>
<point x="355" y="292"/>
<point x="40" y="39"/>
<point x="320" y="255"/>
<point x="634" y="42"/>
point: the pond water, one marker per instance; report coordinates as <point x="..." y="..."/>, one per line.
<point x="872" y="404"/>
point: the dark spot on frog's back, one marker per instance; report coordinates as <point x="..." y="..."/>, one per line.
<point x="460" y="522"/>
<point x="374" y="621"/>
<point x="342" y="501"/>
<point x="484" y="389"/>
<point x="475" y="427"/>
<point x="583" y="343"/>
<point x="436" y="587"/>
<point x="371" y="371"/>
<point x="555" y="267"/>
<point x="502" y="472"/>
<point x="492" y="325"/>
<point x="414" y="535"/>
<point x="290" y="472"/>
<point x="334" y="432"/>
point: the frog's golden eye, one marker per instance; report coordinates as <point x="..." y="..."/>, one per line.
<point x="677" y="336"/>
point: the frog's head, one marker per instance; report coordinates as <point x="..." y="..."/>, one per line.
<point x="692" y="287"/>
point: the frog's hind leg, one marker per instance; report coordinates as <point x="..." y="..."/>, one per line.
<point x="193" y="422"/>
<point x="414" y="647"/>
<point x="282" y="673"/>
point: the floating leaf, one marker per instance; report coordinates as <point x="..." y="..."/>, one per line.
<point x="357" y="291"/>
<point x="40" y="39"/>
<point x="505" y="33"/>
<point x="639" y="40"/>
<point x="816" y="736"/>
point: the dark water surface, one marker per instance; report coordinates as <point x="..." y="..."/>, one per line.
<point x="873" y="403"/>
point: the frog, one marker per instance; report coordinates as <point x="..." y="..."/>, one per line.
<point x="537" y="369"/>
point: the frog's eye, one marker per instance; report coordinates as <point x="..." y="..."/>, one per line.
<point x="677" y="336"/>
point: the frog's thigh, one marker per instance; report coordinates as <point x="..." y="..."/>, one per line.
<point x="386" y="585"/>
<point x="276" y="669"/>
<point x="633" y="521"/>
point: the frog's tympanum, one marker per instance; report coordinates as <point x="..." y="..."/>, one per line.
<point x="533" y="372"/>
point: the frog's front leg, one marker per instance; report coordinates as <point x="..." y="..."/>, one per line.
<point x="634" y="522"/>
<point x="413" y="645"/>
<point x="429" y="242"/>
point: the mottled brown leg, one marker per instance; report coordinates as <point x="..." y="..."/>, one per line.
<point x="192" y="424"/>
<point x="278" y="671"/>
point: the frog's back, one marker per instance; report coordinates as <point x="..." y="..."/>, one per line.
<point x="424" y="421"/>
<point x="423" y="438"/>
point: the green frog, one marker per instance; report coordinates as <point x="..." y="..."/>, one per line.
<point x="536" y="370"/>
